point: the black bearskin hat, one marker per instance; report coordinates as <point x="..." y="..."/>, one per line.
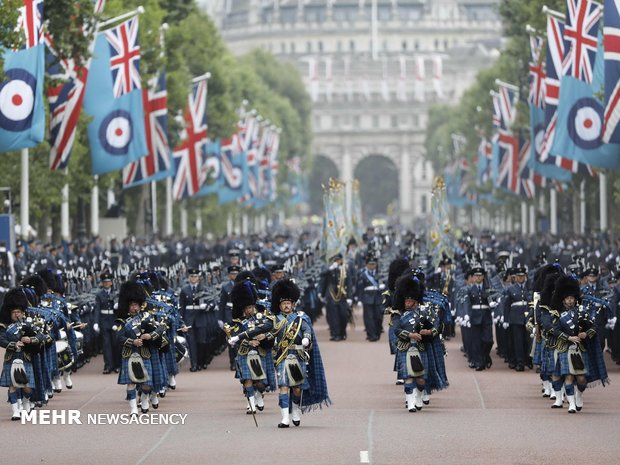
<point x="542" y="273"/>
<point x="53" y="280"/>
<point x="407" y="286"/>
<point x="397" y="268"/>
<point x="263" y="277"/>
<point x="13" y="299"/>
<point x="245" y="274"/>
<point x="546" y="294"/>
<point x="130" y="292"/>
<point x="285" y="289"/>
<point x="35" y="282"/>
<point x="565" y="286"/>
<point x="242" y="295"/>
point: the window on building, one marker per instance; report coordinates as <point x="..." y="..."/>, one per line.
<point x="283" y="47"/>
<point x="436" y="44"/>
<point x="375" y="121"/>
<point x="352" y="45"/>
<point x="356" y="121"/>
<point x="424" y="171"/>
<point x="320" y="45"/>
<point x="445" y="44"/>
<point x="314" y="13"/>
<point x="309" y="47"/>
<point x="416" y="45"/>
<point x="339" y="46"/>
<point x="292" y="47"/>
<point x="288" y="15"/>
<point x="394" y="121"/>
<point x="423" y="209"/>
<point x="403" y="46"/>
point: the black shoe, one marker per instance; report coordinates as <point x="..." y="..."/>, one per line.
<point x="556" y="406"/>
<point x="249" y="412"/>
<point x="479" y="368"/>
<point x="520" y="368"/>
<point x="161" y="394"/>
<point x="512" y="366"/>
<point x="106" y="372"/>
<point x="336" y="339"/>
<point x="116" y="370"/>
<point x="193" y="369"/>
<point x="260" y="409"/>
<point x="232" y="368"/>
<point x="144" y="410"/>
<point x="156" y="406"/>
<point x="172" y="387"/>
<point x="282" y="425"/>
<point x="333" y="338"/>
<point x="530" y="365"/>
<point x="297" y="423"/>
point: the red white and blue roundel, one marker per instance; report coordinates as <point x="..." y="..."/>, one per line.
<point x="116" y="132"/>
<point x="17" y="95"/>
<point x="539" y="137"/>
<point x="585" y="121"/>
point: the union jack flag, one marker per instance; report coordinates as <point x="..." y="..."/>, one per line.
<point x="65" y="102"/>
<point x="497" y="114"/>
<point x="537" y="73"/>
<point x="30" y="21"/>
<point x="124" y="57"/>
<point x="507" y="106"/>
<point x="99" y="6"/>
<point x="189" y="155"/>
<point x="157" y="162"/>
<point x="526" y="185"/>
<point x="508" y="174"/>
<point x="485" y="154"/>
<point x="555" y="57"/>
<point x="611" y="42"/>
<point x="580" y="36"/>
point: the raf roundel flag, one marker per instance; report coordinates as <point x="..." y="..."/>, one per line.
<point x="113" y="98"/>
<point x="22" y="115"/>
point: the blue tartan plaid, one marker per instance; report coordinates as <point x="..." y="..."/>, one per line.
<point x="123" y="376"/>
<point x="538" y="352"/>
<point x="283" y="375"/>
<point x="561" y="363"/>
<point x="547" y="363"/>
<point x="597" y="371"/>
<point x="243" y="371"/>
<point x="434" y="365"/>
<point x="5" y="378"/>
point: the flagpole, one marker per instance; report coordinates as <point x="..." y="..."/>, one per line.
<point x="64" y="210"/>
<point x="24" y="210"/>
<point x="154" y="228"/>
<point x="169" y="207"/>
<point x="553" y="211"/>
<point x="603" y="200"/>
<point x="183" y="219"/>
<point x="532" y="219"/>
<point x="523" y="218"/>
<point x="94" y="207"/>
<point x="556" y="14"/>
<point x="107" y="22"/>
<point x="582" y="207"/>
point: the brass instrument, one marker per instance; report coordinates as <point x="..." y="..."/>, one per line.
<point x="446" y="286"/>
<point x="341" y="290"/>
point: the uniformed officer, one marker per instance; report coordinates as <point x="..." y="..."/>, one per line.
<point x="515" y="309"/>
<point x="104" y="324"/>
<point x="337" y="290"/>
<point x="368" y="292"/>
<point x="194" y="318"/>
<point x="225" y="306"/>
<point x="481" y="320"/>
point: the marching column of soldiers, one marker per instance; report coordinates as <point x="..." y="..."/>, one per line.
<point x="149" y="307"/>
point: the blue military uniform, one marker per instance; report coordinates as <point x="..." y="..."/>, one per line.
<point x="193" y="315"/>
<point x="369" y="293"/>
<point x="515" y="309"/>
<point x="104" y="318"/>
<point x="337" y="290"/>
<point x="481" y="330"/>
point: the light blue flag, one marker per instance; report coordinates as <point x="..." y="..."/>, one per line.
<point x="537" y="134"/>
<point x="580" y="120"/>
<point x="211" y="167"/>
<point x="22" y="114"/>
<point x="113" y="99"/>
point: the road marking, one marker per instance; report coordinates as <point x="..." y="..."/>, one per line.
<point x="365" y="455"/>
<point x="152" y="449"/>
<point x="479" y="392"/>
<point x="93" y="397"/>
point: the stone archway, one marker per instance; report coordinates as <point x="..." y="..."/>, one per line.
<point x="323" y="169"/>
<point x="379" y="185"/>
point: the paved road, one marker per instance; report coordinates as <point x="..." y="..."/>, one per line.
<point x="494" y="417"/>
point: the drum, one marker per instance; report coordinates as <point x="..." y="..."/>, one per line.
<point x="65" y="357"/>
<point x="181" y="349"/>
<point x="79" y="342"/>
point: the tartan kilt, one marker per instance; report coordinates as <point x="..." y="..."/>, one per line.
<point x="562" y="367"/>
<point x="547" y="363"/>
<point x="52" y="360"/>
<point x="538" y="352"/>
<point x="435" y="375"/>
<point x="243" y="370"/>
<point x="392" y="340"/>
<point x="46" y="370"/>
<point x="283" y="375"/>
<point x="5" y="378"/>
<point x="38" y="393"/>
<point x="401" y="363"/>
<point x="169" y="362"/>
<point x="123" y="376"/>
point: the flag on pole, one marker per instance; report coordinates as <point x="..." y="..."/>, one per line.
<point x="157" y="164"/>
<point x="190" y="153"/>
<point x="611" y="39"/>
<point x="113" y="99"/>
<point x="22" y="115"/>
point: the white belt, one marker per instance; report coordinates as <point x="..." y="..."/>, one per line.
<point x="192" y="307"/>
<point x="371" y="288"/>
<point x="229" y="304"/>
<point x="479" y="307"/>
<point x="106" y="312"/>
<point x="520" y="303"/>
